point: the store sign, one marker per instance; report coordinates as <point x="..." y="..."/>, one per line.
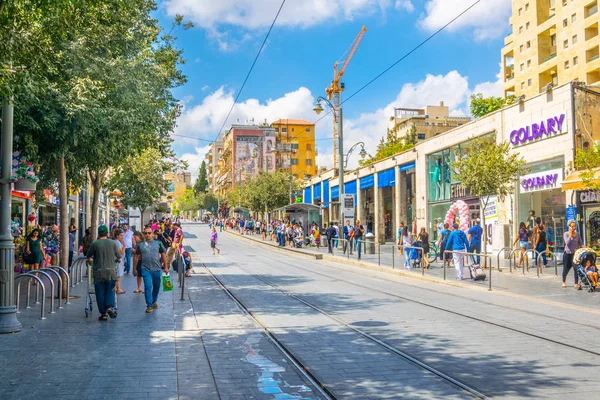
<point x="542" y="130"/>
<point x="348" y="206"/>
<point x="459" y="191"/>
<point x="538" y="181"/>
<point x="588" y="197"/>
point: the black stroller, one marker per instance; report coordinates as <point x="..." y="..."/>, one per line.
<point x="416" y="255"/>
<point x="580" y="258"/>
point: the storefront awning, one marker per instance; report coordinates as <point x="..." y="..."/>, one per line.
<point x="575" y="181"/>
<point x="308" y="195"/>
<point x="317" y="191"/>
<point x="367" y="182"/>
<point x="335" y="192"/>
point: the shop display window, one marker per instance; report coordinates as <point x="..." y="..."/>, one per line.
<point x="438" y="169"/>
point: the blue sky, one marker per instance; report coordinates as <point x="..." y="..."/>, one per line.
<point x="297" y="62"/>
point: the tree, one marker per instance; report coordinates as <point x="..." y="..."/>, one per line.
<point x="411" y="137"/>
<point x="141" y="179"/>
<point x="201" y="184"/>
<point x="489" y="170"/>
<point x="391" y="145"/>
<point x="588" y="162"/>
<point x="210" y="202"/>
<point x="481" y="106"/>
<point x="268" y="191"/>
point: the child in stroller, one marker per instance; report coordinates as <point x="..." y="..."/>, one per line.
<point x="585" y="258"/>
<point x="416" y="255"/>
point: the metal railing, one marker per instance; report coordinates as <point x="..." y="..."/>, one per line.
<point x="77" y="270"/>
<point x="29" y="277"/>
<point x="59" y="284"/>
<point x="64" y="272"/>
<point x="466" y="253"/>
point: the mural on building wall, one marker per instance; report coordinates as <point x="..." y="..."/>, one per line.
<point x="254" y="154"/>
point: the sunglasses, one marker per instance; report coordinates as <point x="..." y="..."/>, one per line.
<point x="148" y="233"/>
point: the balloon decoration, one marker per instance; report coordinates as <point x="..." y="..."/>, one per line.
<point x="460" y="209"/>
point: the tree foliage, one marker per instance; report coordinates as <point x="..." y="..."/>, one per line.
<point x="391" y="145"/>
<point x="481" y="106"/>
<point x="587" y="161"/>
<point x="201" y="184"/>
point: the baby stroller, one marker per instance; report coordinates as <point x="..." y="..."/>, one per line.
<point x="416" y="255"/>
<point x="580" y="258"/>
<point x="298" y="242"/>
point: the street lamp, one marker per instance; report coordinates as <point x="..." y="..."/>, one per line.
<point x="362" y="152"/>
<point x="338" y="114"/>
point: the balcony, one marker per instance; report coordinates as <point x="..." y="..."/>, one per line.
<point x="548" y="76"/>
<point x="547" y="45"/>
<point x="592" y="54"/>
<point x="590" y="9"/>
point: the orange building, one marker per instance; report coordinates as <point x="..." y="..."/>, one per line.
<point x="296" y="146"/>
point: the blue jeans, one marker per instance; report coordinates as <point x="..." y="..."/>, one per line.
<point x="357" y="246"/>
<point x="128" y="259"/>
<point x="152" y="282"/>
<point x="541" y="248"/>
<point x="475" y="248"/>
<point x="105" y="295"/>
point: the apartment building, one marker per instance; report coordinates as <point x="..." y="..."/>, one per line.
<point x="296" y="146"/>
<point x="215" y="150"/>
<point x="552" y="42"/>
<point x="429" y="121"/>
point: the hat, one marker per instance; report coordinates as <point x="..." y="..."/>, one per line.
<point x="455" y="226"/>
<point x="102" y="230"/>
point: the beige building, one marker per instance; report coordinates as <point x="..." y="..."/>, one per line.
<point x="429" y="121"/>
<point x="215" y="150"/>
<point x="552" y="42"/>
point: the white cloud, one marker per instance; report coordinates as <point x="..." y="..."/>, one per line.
<point x="487" y="19"/>
<point x="195" y="160"/>
<point x="491" y="88"/>
<point x="253" y="15"/>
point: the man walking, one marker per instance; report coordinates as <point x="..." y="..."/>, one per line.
<point x="457" y="241"/>
<point x="330" y="233"/>
<point x="359" y="230"/>
<point x="106" y="255"/>
<point x="474" y="236"/>
<point x="153" y="257"/>
<point x="348" y="237"/>
<point x="128" y="240"/>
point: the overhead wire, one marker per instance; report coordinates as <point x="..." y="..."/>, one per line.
<point x="251" y="68"/>
<point x="403" y="57"/>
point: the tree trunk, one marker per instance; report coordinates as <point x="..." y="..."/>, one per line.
<point x="483" y="225"/>
<point x="96" y="179"/>
<point x="63" y="194"/>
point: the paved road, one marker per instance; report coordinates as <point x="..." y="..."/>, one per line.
<point x="328" y="315"/>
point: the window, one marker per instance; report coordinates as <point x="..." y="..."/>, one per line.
<point x="293" y="161"/>
<point x="575" y="60"/>
<point x="574" y="41"/>
<point x="294" y="146"/>
<point x="573" y="18"/>
<point x="528" y="44"/>
<point x="520" y="29"/>
<point x="421" y="136"/>
<point x="553" y="40"/>
<point x="520" y="11"/>
<point x="566" y="43"/>
<point x="308" y="146"/>
<point x="307" y="129"/>
<point x="529" y="82"/>
<point x="308" y="161"/>
<point x="292" y="129"/>
<point x="283" y="129"/>
<point x="526" y="6"/>
<point x="522" y="67"/>
<point x="528" y="63"/>
<point x="564" y="3"/>
<point x="521" y="49"/>
<point x="565" y="23"/>
<point x="522" y="85"/>
<point x="527" y="25"/>
<point x="567" y="64"/>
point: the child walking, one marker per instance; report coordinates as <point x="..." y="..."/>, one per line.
<point x="213" y="241"/>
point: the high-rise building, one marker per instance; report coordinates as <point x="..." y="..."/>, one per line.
<point x="429" y="121"/>
<point x="215" y="149"/>
<point x="552" y="42"/>
<point x="296" y="146"/>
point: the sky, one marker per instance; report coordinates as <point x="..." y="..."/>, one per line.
<point x="297" y="61"/>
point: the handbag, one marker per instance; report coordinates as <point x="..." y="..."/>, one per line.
<point x="167" y="283"/>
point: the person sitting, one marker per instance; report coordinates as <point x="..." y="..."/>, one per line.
<point x="592" y="272"/>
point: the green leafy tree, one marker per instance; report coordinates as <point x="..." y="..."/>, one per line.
<point x="201" y="184"/>
<point x="271" y="191"/>
<point x="391" y="145"/>
<point x="481" y="106"/>
<point x="489" y="170"/>
<point x="210" y="202"/>
<point x="141" y="179"/>
<point x="587" y="161"/>
<point x="411" y="137"/>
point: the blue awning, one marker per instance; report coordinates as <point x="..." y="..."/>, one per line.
<point x="408" y="166"/>
<point x="386" y="178"/>
<point x="350" y="187"/>
<point x="367" y="182"/>
<point x="335" y="192"/>
<point x="317" y="191"/>
<point x="308" y="195"/>
<point x="326" y="194"/>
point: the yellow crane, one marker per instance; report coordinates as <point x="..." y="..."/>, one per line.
<point x="334" y="91"/>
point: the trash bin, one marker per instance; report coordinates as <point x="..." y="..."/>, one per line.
<point x="370" y="243"/>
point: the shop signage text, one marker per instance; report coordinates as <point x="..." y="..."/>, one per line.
<point x="589" y="197"/>
<point x="536" y="131"/>
<point x="459" y="191"/>
<point x="541" y="180"/>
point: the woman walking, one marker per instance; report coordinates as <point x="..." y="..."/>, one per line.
<point x="424" y="238"/>
<point x="35" y="250"/>
<point x="572" y="242"/>
<point x="137" y="271"/>
<point x="118" y="238"/>
<point x="523" y="240"/>
<point x="213" y="241"/>
<point x="406" y="245"/>
<point x="540" y="244"/>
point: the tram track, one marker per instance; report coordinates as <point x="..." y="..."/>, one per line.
<point x="456" y="313"/>
<point x="305" y="370"/>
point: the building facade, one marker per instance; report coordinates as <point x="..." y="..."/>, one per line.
<point x="215" y="150"/>
<point x="418" y="187"/>
<point x="296" y="146"/>
<point x="429" y="121"/>
<point x="552" y="42"/>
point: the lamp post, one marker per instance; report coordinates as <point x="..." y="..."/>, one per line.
<point x="362" y="153"/>
<point x="8" y="310"/>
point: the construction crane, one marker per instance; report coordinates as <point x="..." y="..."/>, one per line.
<point x="334" y="91"/>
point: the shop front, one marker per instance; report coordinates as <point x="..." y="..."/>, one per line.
<point x="540" y="195"/>
<point x="386" y="182"/>
<point x="367" y="196"/>
<point x="589" y="203"/>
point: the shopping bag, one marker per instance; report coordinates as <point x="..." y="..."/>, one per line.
<point x="167" y="283"/>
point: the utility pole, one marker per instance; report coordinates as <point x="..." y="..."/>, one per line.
<point x="8" y="310"/>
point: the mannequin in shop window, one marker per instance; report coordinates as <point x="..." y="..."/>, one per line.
<point x="436" y="178"/>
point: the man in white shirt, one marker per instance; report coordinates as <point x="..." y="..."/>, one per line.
<point x="128" y="239"/>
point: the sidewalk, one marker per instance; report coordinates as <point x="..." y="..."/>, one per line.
<point x="547" y="286"/>
<point x="184" y="350"/>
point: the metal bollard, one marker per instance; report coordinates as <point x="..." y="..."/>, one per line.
<point x="64" y="271"/>
<point x="393" y="258"/>
<point x="181" y="267"/>
<point x="59" y="280"/>
<point x="51" y="290"/>
<point x="40" y="283"/>
<point x="379" y="254"/>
